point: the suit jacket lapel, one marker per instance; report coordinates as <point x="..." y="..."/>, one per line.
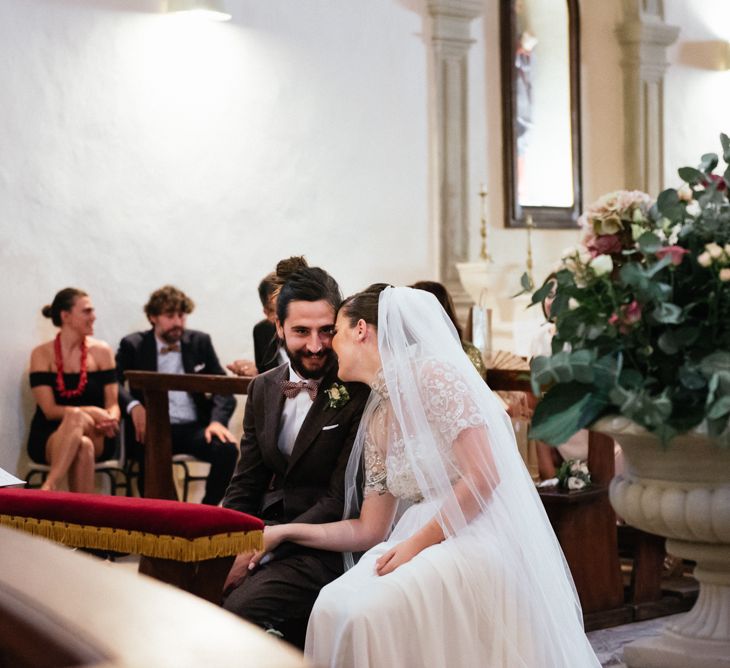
<point x="317" y="417"/>
<point x="274" y="405"/>
<point x="148" y="351"/>
<point x="186" y="350"/>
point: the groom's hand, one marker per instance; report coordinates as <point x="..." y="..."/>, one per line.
<point x="238" y="571"/>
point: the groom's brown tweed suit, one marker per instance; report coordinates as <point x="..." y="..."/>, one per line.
<point x="307" y="486"/>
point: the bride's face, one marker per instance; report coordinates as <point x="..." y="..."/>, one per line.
<point x="345" y="344"/>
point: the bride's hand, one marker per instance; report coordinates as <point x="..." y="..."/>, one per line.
<point x="398" y="555"/>
<point x="273" y="537"/>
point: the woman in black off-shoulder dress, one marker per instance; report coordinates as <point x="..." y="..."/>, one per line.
<point x="75" y="385"/>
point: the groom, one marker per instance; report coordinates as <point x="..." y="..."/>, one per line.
<point x="294" y="451"/>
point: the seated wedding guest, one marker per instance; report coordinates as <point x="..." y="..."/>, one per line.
<point x="444" y="298"/>
<point x="462" y="567"/>
<point x="75" y="386"/>
<point x="268" y="354"/>
<point x="199" y="423"/>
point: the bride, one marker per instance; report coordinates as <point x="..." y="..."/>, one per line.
<point x="461" y="566"/>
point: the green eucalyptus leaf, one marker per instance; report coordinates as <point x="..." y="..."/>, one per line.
<point x="714" y="362"/>
<point x="541" y="293"/>
<point x="708" y="162"/>
<point x="565" y="410"/>
<point x="669" y="314"/>
<point x="691" y="379"/>
<point x="719" y="408"/>
<point x="725" y="143"/>
<point x="649" y="242"/>
<point x="690" y="175"/>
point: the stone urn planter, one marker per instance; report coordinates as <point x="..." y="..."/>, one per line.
<point x="681" y="492"/>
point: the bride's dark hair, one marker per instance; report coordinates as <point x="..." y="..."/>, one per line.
<point x="364" y="305"/>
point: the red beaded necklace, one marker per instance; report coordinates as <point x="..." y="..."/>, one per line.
<point x="83" y="376"/>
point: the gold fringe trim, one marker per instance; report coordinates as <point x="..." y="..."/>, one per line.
<point x="139" y="542"/>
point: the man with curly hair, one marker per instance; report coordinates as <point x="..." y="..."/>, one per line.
<point x="199" y="424"/>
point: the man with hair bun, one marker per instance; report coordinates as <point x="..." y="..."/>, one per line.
<point x="199" y="424"/>
<point x="299" y="426"/>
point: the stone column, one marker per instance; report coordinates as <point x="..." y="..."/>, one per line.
<point x="644" y="37"/>
<point x="449" y="39"/>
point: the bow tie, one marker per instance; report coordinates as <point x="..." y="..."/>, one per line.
<point x="292" y="388"/>
<point x="172" y="348"/>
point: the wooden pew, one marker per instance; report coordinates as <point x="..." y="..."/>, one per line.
<point x="158" y="442"/>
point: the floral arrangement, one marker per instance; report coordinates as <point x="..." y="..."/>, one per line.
<point x="642" y="313"/>
<point x="573" y="475"/>
<point x="338" y="395"/>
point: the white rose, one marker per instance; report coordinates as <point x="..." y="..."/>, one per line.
<point x="602" y="264"/>
<point x="334" y="394"/>
<point x="693" y="208"/>
<point x="685" y="193"/>
<point x="727" y="249"/>
<point x="674" y="236"/>
<point x="725" y="274"/>
<point x="714" y="250"/>
<point x="570" y="251"/>
<point x="704" y="259"/>
<point x="573" y="303"/>
<point x="576" y="483"/>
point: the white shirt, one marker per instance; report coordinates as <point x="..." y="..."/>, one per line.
<point x="292" y="416"/>
<point x="182" y="406"/>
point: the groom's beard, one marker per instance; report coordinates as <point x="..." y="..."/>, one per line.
<point x="297" y="363"/>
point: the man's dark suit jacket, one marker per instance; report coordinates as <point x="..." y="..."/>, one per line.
<point x="265" y="346"/>
<point x="308" y="486"/>
<point x="138" y="352"/>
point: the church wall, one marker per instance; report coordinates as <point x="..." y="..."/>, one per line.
<point x="137" y="150"/>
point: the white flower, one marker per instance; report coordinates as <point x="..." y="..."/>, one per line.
<point x="704" y="259"/>
<point x="725" y="274"/>
<point x="714" y="250"/>
<point x="674" y="235"/>
<point x="576" y="483"/>
<point x="693" y="208"/>
<point x="602" y="264"/>
<point x="570" y="251"/>
<point x="334" y="394"/>
<point x="573" y="303"/>
<point x="685" y="193"/>
<point x="727" y="250"/>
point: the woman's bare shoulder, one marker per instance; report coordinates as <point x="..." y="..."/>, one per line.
<point x="102" y="353"/>
<point x="41" y="357"/>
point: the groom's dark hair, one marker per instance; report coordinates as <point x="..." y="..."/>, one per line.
<point x="298" y="281"/>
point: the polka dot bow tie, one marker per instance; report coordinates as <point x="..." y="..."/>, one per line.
<point x="292" y="388"/>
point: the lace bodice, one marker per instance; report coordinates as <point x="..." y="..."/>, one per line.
<point x="449" y="410"/>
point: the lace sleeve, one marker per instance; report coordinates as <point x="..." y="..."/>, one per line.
<point x="375" y="472"/>
<point x="449" y="405"/>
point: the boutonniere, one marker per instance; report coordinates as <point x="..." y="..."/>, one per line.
<point x="338" y="395"/>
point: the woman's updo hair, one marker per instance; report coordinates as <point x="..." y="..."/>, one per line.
<point x="364" y="305"/>
<point x="63" y="301"/>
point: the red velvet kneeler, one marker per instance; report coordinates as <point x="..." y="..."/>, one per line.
<point x="150" y="527"/>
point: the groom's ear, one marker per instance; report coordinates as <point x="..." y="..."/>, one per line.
<point x="279" y="329"/>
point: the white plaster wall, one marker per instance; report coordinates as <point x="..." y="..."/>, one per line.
<point x="697" y="97"/>
<point x="136" y="150"/>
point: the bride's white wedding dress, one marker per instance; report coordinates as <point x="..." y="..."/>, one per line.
<point x="496" y="592"/>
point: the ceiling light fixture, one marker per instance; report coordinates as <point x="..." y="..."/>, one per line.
<point x="208" y="9"/>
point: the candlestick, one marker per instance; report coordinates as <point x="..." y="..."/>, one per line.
<point x="530" y="226"/>
<point x="483" y="229"/>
